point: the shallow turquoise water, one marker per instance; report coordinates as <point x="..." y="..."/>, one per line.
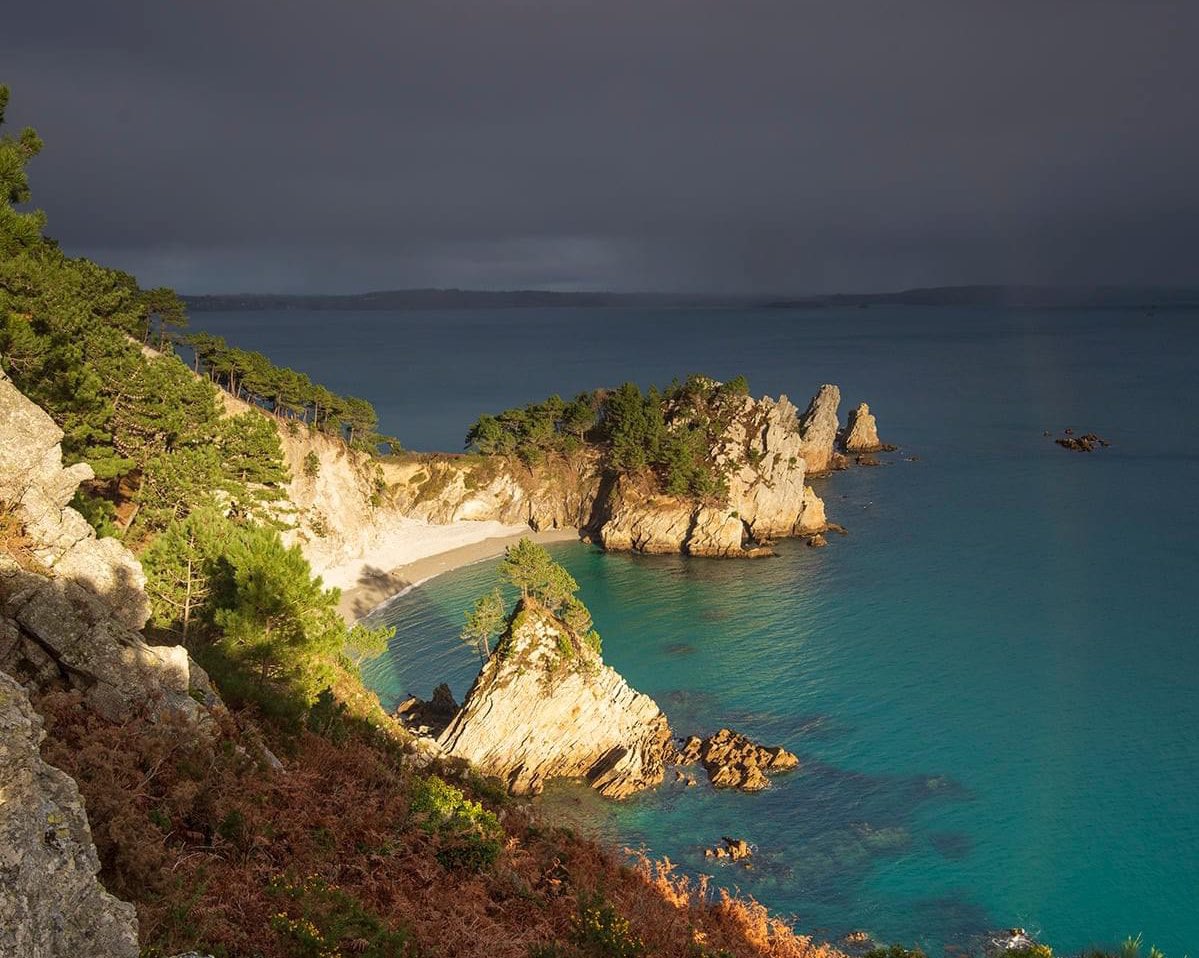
<point x="992" y="682"/>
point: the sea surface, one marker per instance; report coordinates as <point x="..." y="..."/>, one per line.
<point x="992" y="682"/>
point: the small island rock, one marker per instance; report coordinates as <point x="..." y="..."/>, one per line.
<point x="733" y="760"/>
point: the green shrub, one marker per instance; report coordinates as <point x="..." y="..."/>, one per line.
<point x="894" y="951"/>
<point x="312" y="464"/>
<point x="99" y="512"/>
<point x="469" y="835"/>
<point x="603" y="933"/>
<point x="317" y="917"/>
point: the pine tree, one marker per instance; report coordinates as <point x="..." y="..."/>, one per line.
<point x="485" y="621"/>
<point x="180" y="566"/>
<point x="363" y="642"/>
<point x="278" y="626"/>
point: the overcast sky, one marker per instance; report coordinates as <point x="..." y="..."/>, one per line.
<point x="703" y="145"/>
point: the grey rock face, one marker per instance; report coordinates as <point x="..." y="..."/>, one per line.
<point x="32" y="477"/>
<point x="71" y="616"/>
<point x="51" y="903"/>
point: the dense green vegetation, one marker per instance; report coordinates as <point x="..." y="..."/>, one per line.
<point x="195" y="491"/>
<point x="528" y="567"/>
<point x="254" y="378"/>
<point x="664" y="435"/>
<point x="470" y="834"/>
<point x="537" y="430"/>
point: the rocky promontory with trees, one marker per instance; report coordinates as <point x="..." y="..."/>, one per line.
<point x="700" y="468"/>
<point x="545" y="705"/>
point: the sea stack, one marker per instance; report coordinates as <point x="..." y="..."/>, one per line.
<point x="861" y="433"/>
<point x="818" y="429"/>
<point x="545" y="706"/>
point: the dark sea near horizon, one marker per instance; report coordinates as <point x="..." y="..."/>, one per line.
<point x="992" y="682"/>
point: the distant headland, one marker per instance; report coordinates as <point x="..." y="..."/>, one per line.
<point x="1005" y="296"/>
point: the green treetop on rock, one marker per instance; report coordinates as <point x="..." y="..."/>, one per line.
<point x="485" y="621"/>
<point x="666" y="436"/>
<point x="540" y="579"/>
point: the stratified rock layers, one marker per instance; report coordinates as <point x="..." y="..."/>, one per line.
<point x="545" y="706"/>
<point x="51" y="903"/>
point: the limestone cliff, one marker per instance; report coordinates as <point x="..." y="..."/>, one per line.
<point x="762" y="453"/>
<point x="546" y="706"/>
<point x="71" y="604"/>
<point x="442" y="489"/>
<point x="51" y="903"/>
<point x="348" y="510"/>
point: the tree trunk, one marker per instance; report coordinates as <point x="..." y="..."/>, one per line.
<point x="187" y="598"/>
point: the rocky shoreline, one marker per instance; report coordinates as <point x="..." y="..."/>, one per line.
<point x="545" y="705"/>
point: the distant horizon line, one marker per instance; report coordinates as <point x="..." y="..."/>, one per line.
<point x="694" y="294"/>
<point x="1011" y="296"/>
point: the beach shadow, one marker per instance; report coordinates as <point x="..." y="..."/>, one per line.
<point x="374" y="587"/>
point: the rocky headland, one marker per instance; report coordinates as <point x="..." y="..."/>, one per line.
<point x="766" y="451"/>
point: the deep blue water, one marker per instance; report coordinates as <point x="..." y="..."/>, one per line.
<point x="992" y="682"/>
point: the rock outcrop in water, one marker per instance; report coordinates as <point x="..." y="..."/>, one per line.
<point x="71" y="604"/>
<point x="51" y="903"/>
<point x="763" y="452"/>
<point x="733" y="760"/>
<point x="861" y="433"/>
<point x="545" y="706"/>
<point x="818" y="428"/>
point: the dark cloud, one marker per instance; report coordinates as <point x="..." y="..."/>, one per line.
<point x="782" y="146"/>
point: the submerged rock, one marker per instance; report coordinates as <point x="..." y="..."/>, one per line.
<point x="732" y="849"/>
<point x="1087" y="442"/>
<point x="545" y="706"/>
<point x="51" y="902"/>
<point x="733" y="760"/>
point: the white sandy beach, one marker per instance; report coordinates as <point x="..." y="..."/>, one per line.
<point x="413" y="552"/>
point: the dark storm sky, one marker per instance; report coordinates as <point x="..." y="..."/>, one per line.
<point x="716" y="145"/>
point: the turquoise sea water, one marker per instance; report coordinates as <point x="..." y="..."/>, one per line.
<point x="992" y="682"/>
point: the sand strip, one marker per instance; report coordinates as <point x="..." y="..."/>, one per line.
<point x="375" y="589"/>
